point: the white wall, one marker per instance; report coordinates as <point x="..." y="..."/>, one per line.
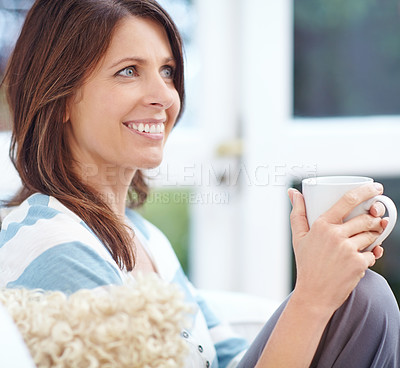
<point x="244" y="245"/>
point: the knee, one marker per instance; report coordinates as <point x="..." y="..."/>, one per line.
<point x="365" y="329"/>
<point x="375" y="289"/>
<point x="374" y="299"/>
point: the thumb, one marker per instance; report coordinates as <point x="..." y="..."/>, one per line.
<point x="298" y="217"/>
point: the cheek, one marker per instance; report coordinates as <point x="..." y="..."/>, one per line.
<point x="108" y="104"/>
<point x="88" y="121"/>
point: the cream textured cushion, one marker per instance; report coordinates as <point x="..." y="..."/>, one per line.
<point x="131" y="326"/>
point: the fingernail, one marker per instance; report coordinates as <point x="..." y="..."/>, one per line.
<point x="378" y="187"/>
<point x="289" y="192"/>
<point x="291" y="195"/>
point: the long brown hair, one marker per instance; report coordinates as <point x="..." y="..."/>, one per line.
<point x="61" y="42"/>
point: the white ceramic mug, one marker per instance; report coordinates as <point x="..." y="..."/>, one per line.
<point x="321" y="193"/>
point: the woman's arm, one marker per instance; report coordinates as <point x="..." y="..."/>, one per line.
<point x="329" y="266"/>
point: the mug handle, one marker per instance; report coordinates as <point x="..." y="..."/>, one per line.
<point x="392" y="213"/>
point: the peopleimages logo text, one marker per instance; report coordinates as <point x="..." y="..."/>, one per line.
<point x="205" y="175"/>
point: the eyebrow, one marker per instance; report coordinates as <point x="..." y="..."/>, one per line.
<point x="138" y="60"/>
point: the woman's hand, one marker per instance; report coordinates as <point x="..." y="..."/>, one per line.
<point x="328" y="256"/>
<point x="329" y="266"/>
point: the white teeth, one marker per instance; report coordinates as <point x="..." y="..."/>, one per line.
<point x="148" y="128"/>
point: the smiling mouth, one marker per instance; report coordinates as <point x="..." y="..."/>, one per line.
<point x="147" y="128"/>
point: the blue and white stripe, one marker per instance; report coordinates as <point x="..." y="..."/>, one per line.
<point x="45" y="245"/>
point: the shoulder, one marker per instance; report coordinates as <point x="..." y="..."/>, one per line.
<point x="140" y="223"/>
<point x="41" y="241"/>
<point x="41" y="218"/>
<point x="151" y="233"/>
<point x="36" y="207"/>
<point x="144" y="226"/>
<point x="157" y="244"/>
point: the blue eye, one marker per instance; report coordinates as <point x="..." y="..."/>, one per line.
<point x="130" y="71"/>
<point x="168" y="72"/>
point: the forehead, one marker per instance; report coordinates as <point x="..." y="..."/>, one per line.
<point x="138" y="37"/>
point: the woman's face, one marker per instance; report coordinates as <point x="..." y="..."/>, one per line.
<point x="122" y="115"/>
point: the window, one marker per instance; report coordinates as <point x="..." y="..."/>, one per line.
<point x="346" y="58"/>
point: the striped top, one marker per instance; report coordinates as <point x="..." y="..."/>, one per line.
<point x="45" y="245"/>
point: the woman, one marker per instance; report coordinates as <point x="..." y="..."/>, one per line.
<point x="95" y="87"/>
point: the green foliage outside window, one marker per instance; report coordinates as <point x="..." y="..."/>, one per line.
<point x="168" y="209"/>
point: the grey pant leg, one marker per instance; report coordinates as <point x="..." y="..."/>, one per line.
<point x="363" y="333"/>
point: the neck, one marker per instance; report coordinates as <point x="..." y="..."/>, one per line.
<point x="112" y="186"/>
<point x="116" y="200"/>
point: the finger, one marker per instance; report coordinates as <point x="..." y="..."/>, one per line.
<point x="369" y="258"/>
<point x="362" y="223"/>
<point x="384" y="222"/>
<point x="298" y="218"/>
<point x="377" y="209"/>
<point x="378" y="252"/>
<point x="364" y="240"/>
<point x="351" y="199"/>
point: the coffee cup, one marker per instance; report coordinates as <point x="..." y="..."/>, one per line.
<point x="321" y="193"/>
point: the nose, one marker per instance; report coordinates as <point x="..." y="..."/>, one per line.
<point x="159" y="93"/>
